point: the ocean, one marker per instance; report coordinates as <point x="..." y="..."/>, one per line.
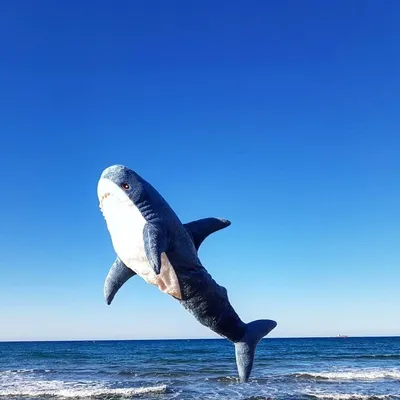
<point x="286" y="369"/>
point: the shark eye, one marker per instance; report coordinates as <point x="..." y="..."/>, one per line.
<point x="125" y="186"/>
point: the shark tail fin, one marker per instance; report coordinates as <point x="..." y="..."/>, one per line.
<point x="245" y="349"/>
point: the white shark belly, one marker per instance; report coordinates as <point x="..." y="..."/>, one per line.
<point x="126" y="230"/>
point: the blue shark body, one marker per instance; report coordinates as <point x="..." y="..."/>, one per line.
<point x="150" y="241"/>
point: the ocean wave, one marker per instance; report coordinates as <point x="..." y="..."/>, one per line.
<point x="365" y="357"/>
<point x="9" y="372"/>
<point x="68" y="354"/>
<point x="60" y="389"/>
<point x="351" y="396"/>
<point x="127" y="373"/>
<point x="360" y="375"/>
<point x="225" y="379"/>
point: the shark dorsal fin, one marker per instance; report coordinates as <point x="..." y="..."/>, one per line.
<point x="202" y="228"/>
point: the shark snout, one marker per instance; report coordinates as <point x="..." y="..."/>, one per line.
<point x="113" y="170"/>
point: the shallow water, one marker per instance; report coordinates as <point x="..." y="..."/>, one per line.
<point x="287" y="369"/>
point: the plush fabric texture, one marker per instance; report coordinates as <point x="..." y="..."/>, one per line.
<point x="151" y="241"/>
<point x="119" y="273"/>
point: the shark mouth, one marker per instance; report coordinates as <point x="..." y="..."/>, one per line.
<point x="116" y="201"/>
<point x="112" y="198"/>
<point x="102" y="198"/>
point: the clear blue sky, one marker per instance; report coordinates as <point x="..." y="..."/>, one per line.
<point x="283" y="117"/>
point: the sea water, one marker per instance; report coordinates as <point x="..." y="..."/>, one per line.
<point x="292" y="369"/>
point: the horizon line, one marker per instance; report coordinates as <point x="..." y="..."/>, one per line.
<point x="187" y="339"/>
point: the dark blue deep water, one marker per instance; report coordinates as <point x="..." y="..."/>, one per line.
<point x="336" y="368"/>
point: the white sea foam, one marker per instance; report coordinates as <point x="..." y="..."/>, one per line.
<point x="32" y="371"/>
<point x="36" y="388"/>
<point x="355" y="374"/>
<point x="350" y="396"/>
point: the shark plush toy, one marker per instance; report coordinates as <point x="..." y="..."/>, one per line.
<point x="150" y="241"/>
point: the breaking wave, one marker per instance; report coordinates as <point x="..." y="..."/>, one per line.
<point x="351" y="396"/>
<point x="360" y="374"/>
<point x="60" y="389"/>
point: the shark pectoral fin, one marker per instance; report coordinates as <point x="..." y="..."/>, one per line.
<point x="119" y="273"/>
<point x="202" y="228"/>
<point x="155" y="243"/>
